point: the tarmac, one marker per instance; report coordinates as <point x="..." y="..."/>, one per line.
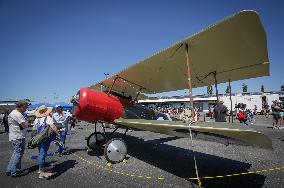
<point x="154" y="160"/>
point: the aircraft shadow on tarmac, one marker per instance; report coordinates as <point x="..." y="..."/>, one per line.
<point x="179" y="161"/>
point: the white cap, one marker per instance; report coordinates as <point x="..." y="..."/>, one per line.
<point x="274" y="100"/>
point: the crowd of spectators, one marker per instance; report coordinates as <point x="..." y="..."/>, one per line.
<point x="241" y="112"/>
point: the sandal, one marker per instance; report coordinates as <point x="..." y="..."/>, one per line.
<point x="44" y="170"/>
<point x="45" y="175"/>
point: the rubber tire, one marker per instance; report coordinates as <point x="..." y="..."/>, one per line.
<point x="106" y="152"/>
<point x="100" y="142"/>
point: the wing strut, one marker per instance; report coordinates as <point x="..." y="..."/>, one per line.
<point x="189" y="72"/>
<point x="231" y="112"/>
<point x="109" y="92"/>
<point x="216" y="87"/>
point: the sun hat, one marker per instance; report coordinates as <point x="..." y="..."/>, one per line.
<point x="42" y="111"/>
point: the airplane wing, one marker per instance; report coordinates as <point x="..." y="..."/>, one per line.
<point x="234" y="47"/>
<point x="212" y="131"/>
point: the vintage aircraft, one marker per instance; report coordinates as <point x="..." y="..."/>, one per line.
<point x="232" y="49"/>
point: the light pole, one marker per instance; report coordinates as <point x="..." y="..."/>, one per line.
<point x="106" y="74"/>
<point x="55" y="97"/>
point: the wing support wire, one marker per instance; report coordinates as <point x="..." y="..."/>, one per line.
<point x="189" y="72"/>
<point x="132" y="83"/>
<point x="109" y="92"/>
<point x="215" y="81"/>
<point x="141" y="87"/>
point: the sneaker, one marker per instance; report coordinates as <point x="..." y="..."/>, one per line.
<point x="9" y="173"/>
<point x="20" y="173"/>
<point x="43" y="175"/>
<point x="58" y="143"/>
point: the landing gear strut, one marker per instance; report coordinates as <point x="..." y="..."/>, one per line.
<point x="96" y="141"/>
<point x="115" y="149"/>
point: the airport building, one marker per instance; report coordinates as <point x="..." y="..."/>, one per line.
<point x="7" y="105"/>
<point x="203" y="102"/>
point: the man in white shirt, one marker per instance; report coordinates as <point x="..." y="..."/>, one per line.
<point x="17" y="124"/>
<point x="61" y="117"/>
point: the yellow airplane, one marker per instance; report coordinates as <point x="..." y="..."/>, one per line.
<point x="234" y="48"/>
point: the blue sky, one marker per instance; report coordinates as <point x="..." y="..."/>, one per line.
<point x="50" y="49"/>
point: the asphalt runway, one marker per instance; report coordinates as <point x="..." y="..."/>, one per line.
<point x="154" y="160"/>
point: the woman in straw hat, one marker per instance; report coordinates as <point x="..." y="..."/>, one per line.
<point x="43" y="120"/>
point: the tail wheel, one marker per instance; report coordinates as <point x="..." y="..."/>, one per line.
<point x="96" y="140"/>
<point x="115" y="150"/>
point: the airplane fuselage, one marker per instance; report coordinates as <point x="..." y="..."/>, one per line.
<point x="92" y="106"/>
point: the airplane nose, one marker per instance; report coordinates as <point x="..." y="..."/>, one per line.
<point x="75" y="100"/>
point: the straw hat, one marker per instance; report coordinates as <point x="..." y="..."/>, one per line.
<point x="42" y="111"/>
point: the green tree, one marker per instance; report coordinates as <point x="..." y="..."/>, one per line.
<point x="227" y="89"/>
<point x="209" y="90"/>
<point x="245" y="87"/>
<point x="262" y="88"/>
<point x="28" y="101"/>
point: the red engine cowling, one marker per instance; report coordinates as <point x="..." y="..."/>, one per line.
<point x="95" y="105"/>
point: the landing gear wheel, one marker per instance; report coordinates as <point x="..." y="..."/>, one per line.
<point x="115" y="150"/>
<point x="96" y="140"/>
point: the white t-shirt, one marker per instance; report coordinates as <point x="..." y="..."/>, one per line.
<point x="40" y="121"/>
<point x="14" y="119"/>
<point x="61" y="118"/>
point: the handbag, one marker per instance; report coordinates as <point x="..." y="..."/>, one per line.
<point x="59" y="125"/>
<point x="38" y="138"/>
